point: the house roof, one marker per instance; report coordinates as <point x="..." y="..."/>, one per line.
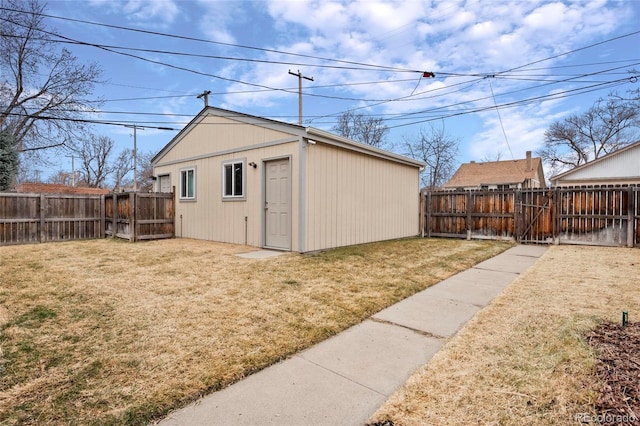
<point x="309" y="133"/>
<point x="494" y="173"/>
<point x="609" y="156"/>
<point x="52" y="188"/>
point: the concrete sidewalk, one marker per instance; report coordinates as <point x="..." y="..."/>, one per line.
<point x="344" y="379"/>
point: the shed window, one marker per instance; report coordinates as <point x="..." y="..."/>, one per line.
<point x="164" y="183"/>
<point x="188" y="184"/>
<point x="233" y="179"/>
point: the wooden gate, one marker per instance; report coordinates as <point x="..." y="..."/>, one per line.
<point x="535" y="216"/>
<point x="140" y="216"/>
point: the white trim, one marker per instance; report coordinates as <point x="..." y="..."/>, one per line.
<point x="302" y="195"/>
<point x="230" y="151"/>
<point x="195" y="192"/>
<point x="243" y="196"/>
<point x="295" y="130"/>
<point x="159" y="180"/>
<point x="264" y="198"/>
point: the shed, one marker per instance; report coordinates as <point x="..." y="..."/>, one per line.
<point x="620" y="167"/>
<point x="251" y="180"/>
<point x="521" y="173"/>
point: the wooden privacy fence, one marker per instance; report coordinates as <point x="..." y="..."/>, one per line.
<point x="575" y="215"/>
<point x="139" y="216"/>
<point x="35" y="218"/>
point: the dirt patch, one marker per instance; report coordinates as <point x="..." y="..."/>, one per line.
<point x="617" y="372"/>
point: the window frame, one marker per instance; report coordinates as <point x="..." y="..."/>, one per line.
<point x="159" y="180"/>
<point x="184" y="173"/>
<point x="234" y="196"/>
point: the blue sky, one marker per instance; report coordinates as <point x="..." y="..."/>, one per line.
<point x="545" y="59"/>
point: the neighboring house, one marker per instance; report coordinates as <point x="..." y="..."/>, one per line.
<point x="621" y="167"/>
<point x="251" y="180"/>
<point x="54" y="188"/>
<point x="524" y="173"/>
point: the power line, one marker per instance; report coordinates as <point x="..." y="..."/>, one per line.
<point x="556" y="95"/>
<point x="609" y="40"/>
<point x="240" y="46"/>
<point x="501" y="125"/>
<point x="507" y="75"/>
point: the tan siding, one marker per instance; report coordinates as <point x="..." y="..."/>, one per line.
<point x="210" y="218"/>
<point x="218" y="134"/>
<point x="354" y="198"/>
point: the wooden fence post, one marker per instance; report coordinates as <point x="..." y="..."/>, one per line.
<point x="422" y="213"/>
<point x="43" y="209"/>
<point x="428" y="218"/>
<point x="518" y="214"/>
<point x="103" y="216"/>
<point x="468" y="212"/>
<point x="132" y="217"/>
<point x="555" y="216"/>
<point x="631" y="229"/>
<point x="114" y="219"/>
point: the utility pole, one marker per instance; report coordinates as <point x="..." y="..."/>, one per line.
<point x="300" y="77"/>
<point x="135" y="158"/>
<point x="73" y="171"/>
<point x="205" y="95"/>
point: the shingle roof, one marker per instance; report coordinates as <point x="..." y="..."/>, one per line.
<point x="493" y="173"/>
<point x="51" y="188"/>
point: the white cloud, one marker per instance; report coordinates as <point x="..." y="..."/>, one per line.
<point x="149" y="13"/>
<point x="216" y="18"/>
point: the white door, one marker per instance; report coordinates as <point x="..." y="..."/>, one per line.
<point x="277" y="205"/>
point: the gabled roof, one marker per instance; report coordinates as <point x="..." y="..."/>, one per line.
<point x="494" y="173"/>
<point x="309" y="133"/>
<point x="608" y="157"/>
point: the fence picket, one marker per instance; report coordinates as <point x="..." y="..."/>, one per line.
<point x="576" y="215"/>
<point x="33" y="218"/>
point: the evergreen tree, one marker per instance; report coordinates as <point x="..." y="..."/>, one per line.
<point x="8" y="160"/>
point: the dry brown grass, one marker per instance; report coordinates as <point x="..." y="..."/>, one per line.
<point x="108" y="332"/>
<point x="524" y="358"/>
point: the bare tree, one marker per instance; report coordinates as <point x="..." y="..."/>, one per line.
<point x="489" y="159"/>
<point x="43" y="89"/>
<point x="121" y="168"/>
<point x="362" y="128"/>
<point x="62" y="178"/>
<point x="607" y="126"/>
<point x="438" y="150"/>
<point x="94" y="153"/>
<point x="145" y="173"/>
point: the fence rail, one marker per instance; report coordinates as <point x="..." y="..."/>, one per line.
<point x="578" y="215"/>
<point x="33" y="218"/>
<point x="36" y="218"/>
<point x="140" y="216"/>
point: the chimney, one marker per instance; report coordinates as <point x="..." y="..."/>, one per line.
<point x="472" y="162"/>
<point x="529" y="165"/>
